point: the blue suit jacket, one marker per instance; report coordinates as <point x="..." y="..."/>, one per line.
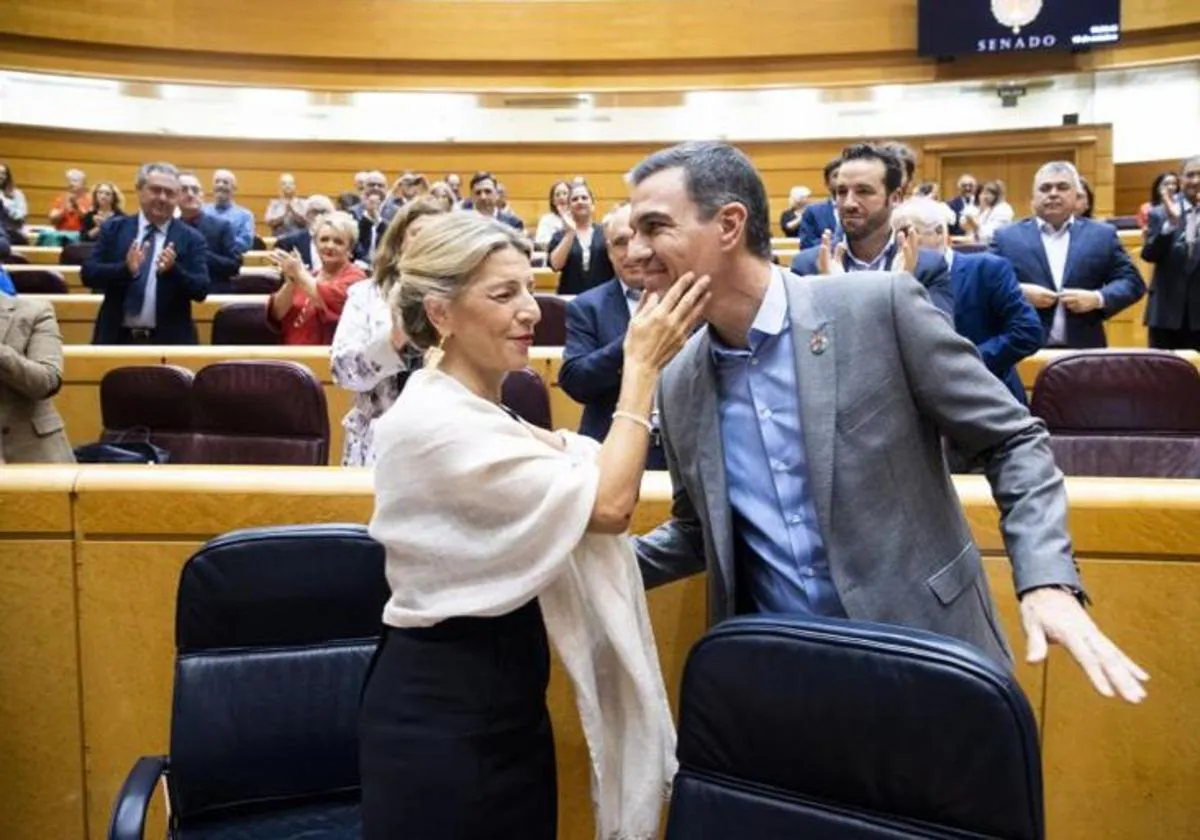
<point x="593" y="359"/>
<point x="187" y="281"/>
<point x="990" y="310"/>
<point x="1096" y="260"/>
<point x="301" y="241"/>
<point x="224" y="251"/>
<point x="931" y="273"/>
<point x="816" y="219"/>
<point x="1171" y="305"/>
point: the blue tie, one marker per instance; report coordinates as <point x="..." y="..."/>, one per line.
<point x="135" y="296"/>
<point x="634" y="295"/>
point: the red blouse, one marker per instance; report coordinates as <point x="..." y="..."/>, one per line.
<point x="307" y="323"/>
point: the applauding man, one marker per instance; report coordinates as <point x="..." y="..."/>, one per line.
<point x="1173" y="247"/>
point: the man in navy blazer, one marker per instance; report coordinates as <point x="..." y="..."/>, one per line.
<point x="150" y="267"/>
<point x="820" y="217"/>
<point x="868" y="187"/>
<point x="1172" y="246"/>
<point x="595" y="351"/>
<point x="989" y="308"/>
<point x="1074" y="271"/>
<point x="224" y="249"/>
<point x="968" y="196"/>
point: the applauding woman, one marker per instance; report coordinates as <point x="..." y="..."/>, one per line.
<point x="307" y="306"/>
<point x="501" y="539"/>
<point x="107" y="202"/>
<point x="578" y="251"/>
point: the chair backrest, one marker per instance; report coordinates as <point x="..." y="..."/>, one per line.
<point x="551" y="330"/>
<point x="13" y="258"/>
<point x="1121" y="413"/>
<point x="259" y="412"/>
<point x="255" y="283"/>
<point x="1124" y="222"/>
<point x="149" y="400"/>
<point x="525" y="393"/>
<point x="39" y="281"/>
<point x="274" y="630"/>
<point x="76" y="253"/>
<point x="244" y="322"/>
<point x="807" y="727"/>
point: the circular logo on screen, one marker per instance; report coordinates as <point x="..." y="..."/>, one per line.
<point x="1016" y="13"/>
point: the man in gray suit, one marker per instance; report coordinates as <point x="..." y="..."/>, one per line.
<point x="803" y="428"/>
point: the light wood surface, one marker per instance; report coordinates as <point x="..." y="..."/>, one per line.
<point x="87" y="628"/>
<point x="409" y="44"/>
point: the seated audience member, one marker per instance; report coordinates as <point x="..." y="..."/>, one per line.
<point x="370" y="229"/>
<point x="505" y="209"/>
<point x="13" y="207"/>
<point x="316" y="208"/>
<point x="224" y="251"/>
<point x="555" y="218"/>
<point x="408" y="187"/>
<point x="1085" y="206"/>
<point x="789" y="220"/>
<point x="1172" y="246"/>
<point x="965" y="203"/>
<point x="595" y="351"/>
<point x="928" y="189"/>
<point x="992" y="213"/>
<point x="107" y="203"/>
<point x="534" y="523"/>
<point x="150" y="268"/>
<point x="374" y="182"/>
<point x="348" y="202"/>
<point x="821" y="217"/>
<point x="989" y="308"/>
<point x="360" y="182"/>
<point x="578" y="252"/>
<point x="223" y="207"/>
<point x="371" y="355"/>
<point x="1074" y="271"/>
<point x="454" y="182"/>
<point x="869" y="186"/>
<point x="1166" y="184"/>
<point x="483" y="200"/>
<point x="307" y="307"/>
<point x="285" y="213"/>
<point x="68" y="209"/>
<point x="31" y="364"/>
<point x="441" y="192"/>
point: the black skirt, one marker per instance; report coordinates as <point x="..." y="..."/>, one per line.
<point x="454" y="736"/>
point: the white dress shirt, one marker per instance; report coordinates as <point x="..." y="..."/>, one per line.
<point x="1057" y="243"/>
<point x="148" y="317"/>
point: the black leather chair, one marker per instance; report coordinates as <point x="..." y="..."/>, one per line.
<point x="39" y="281"/>
<point x="551" y="330"/>
<point x="274" y="630"/>
<point x="837" y="730"/>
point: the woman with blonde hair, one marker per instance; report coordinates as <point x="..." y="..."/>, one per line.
<point x="307" y="306"/>
<point x="107" y="203"/>
<point x="502" y="539"/>
<point x="371" y="355"/>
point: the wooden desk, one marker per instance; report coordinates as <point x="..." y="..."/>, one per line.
<point x="90" y="560"/>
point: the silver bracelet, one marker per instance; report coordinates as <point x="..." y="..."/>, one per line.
<point x="641" y="421"/>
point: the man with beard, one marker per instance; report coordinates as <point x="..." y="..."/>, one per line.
<point x="869" y="185"/>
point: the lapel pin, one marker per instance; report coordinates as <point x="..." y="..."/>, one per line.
<point x="818" y="342"/>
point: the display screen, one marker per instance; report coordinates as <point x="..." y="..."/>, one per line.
<point x="962" y="27"/>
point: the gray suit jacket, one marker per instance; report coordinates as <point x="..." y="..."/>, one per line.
<point x="882" y="376"/>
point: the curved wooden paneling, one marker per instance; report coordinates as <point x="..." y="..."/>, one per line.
<point x="487" y="44"/>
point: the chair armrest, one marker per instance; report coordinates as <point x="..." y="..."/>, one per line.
<point x="129" y="811"/>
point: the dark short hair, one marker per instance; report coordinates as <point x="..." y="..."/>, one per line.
<point x="1156" y="187"/>
<point x="483" y="176"/>
<point x="832" y="167"/>
<point x="908" y="158"/>
<point x="717" y="174"/>
<point x="893" y="177"/>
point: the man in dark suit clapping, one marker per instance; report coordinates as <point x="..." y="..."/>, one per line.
<point x="1074" y="271"/>
<point x="1173" y="247"/>
<point x="224" y="250"/>
<point x="150" y="267"/>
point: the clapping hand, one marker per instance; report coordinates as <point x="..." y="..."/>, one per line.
<point x="1174" y="211"/>
<point x="907" y="253"/>
<point x="831" y="260"/>
<point x="288" y="262"/>
<point x="166" y="260"/>
<point x="1079" y="301"/>
<point x="134" y="257"/>
<point x="1039" y="297"/>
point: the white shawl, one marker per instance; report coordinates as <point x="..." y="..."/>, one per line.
<point x="478" y="517"/>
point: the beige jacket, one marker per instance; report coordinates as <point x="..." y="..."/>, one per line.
<point x="31" y="360"/>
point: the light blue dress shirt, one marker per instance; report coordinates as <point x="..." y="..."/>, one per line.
<point x="240" y="218"/>
<point x="777" y="539"/>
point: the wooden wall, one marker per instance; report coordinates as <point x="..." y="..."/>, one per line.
<point x="39" y="157"/>
<point x="641" y="44"/>
<point x="1133" y="182"/>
